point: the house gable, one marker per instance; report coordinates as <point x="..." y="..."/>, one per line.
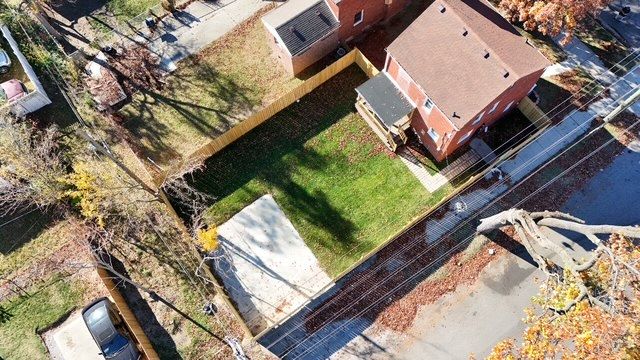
<point x="297" y="25"/>
<point x="464" y="55"/>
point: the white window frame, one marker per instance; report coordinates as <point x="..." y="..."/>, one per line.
<point x="533" y="88"/>
<point x="495" y="106"/>
<point x="508" y="107"/>
<point x="478" y="119"/>
<point x="428" y="104"/>
<point x="356" y="23"/>
<point x="433" y="134"/>
<point x="465" y="137"/>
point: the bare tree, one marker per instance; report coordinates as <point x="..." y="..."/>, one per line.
<point x="527" y="226"/>
<point x="31" y="165"/>
<point x="189" y="199"/>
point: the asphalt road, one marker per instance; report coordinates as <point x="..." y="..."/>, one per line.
<point x="612" y="196"/>
<point x="472" y="320"/>
<point x="629" y="26"/>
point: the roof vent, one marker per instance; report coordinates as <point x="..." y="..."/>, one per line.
<point x="441" y="8"/>
<point x="323" y="17"/>
<point x="297" y="34"/>
<point x="465" y="32"/>
<point x="505" y="73"/>
<point x="486" y="54"/>
<point x="455" y="115"/>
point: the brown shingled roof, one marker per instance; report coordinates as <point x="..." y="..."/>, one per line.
<point x="459" y="52"/>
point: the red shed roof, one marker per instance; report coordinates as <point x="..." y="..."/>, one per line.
<point x="464" y="55"/>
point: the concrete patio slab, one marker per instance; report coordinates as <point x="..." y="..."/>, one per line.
<point x="265" y="265"/>
<point x="72" y="340"/>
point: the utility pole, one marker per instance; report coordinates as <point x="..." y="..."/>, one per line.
<point x="624" y="104"/>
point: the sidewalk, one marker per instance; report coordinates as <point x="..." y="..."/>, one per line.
<point x="550" y="143"/>
<point x="580" y="55"/>
<point x="188" y="31"/>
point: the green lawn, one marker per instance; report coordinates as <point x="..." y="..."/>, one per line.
<point x="18" y="338"/>
<point x="207" y="95"/>
<point x="328" y="172"/>
<point x="127" y="9"/>
<point x="116" y="13"/>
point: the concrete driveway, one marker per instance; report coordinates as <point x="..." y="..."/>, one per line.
<point x="72" y="341"/>
<point x="188" y="31"/>
<point x="265" y="265"/>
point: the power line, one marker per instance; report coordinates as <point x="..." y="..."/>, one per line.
<point x="380" y="298"/>
<point x="522" y="131"/>
<point x="427" y="250"/>
<point x="415" y="241"/>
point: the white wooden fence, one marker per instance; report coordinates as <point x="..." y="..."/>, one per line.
<point x="36" y="98"/>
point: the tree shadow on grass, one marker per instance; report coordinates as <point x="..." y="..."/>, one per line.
<point x="225" y="104"/>
<point x="20" y="228"/>
<point x="272" y="154"/>
<point x="75" y="10"/>
<point x="256" y="153"/>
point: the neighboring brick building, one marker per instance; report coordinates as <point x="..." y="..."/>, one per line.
<point x="458" y="67"/>
<point x="302" y="32"/>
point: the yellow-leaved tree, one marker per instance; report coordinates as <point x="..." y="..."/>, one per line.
<point x="552" y="17"/>
<point x="587" y="308"/>
<point x="85" y="193"/>
<point x="208" y="238"/>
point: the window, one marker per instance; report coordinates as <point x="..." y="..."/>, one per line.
<point x="358" y="18"/>
<point x="478" y="119"/>
<point x="434" y="135"/>
<point x="508" y="107"/>
<point x="428" y="104"/>
<point x="495" y="106"/>
<point x="465" y="137"/>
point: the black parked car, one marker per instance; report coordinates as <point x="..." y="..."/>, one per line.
<point x="101" y="320"/>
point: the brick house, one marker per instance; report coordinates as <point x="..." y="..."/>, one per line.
<point x="458" y="67"/>
<point x="301" y="32"/>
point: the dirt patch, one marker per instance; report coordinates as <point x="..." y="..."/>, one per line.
<point x="401" y="314"/>
<point x="619" y="128"/>
<point x="581" y="86"/>
<point x="137" y="69"/>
